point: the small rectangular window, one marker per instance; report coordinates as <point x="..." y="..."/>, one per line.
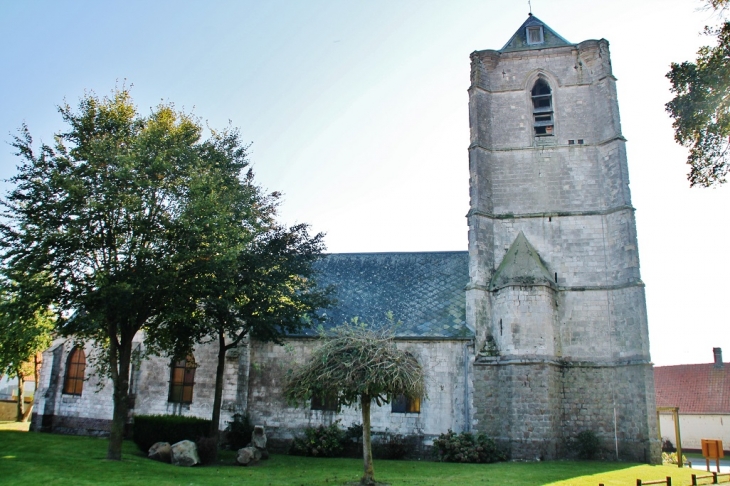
<point x="571" y="142"/>
<point x="580" y="141"/>
<point x="535" y="35"/>
<point x="402" y="404"/>
<point x="326" y="403"/>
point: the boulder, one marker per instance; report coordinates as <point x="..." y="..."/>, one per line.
<point x="185" y="453"/>
<point x="160" y="451"/>
<point x="248" y="456"/>
<point x="258" y="440"/>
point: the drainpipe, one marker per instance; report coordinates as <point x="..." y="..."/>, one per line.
<point x="467" y="422"/>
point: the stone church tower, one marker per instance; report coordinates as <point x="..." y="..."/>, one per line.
<point x="555" y="297"/>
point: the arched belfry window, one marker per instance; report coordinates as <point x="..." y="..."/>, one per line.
<point x="73" y="383"/>
<point x="542" y="108"/>
<point x="182" y="380"/>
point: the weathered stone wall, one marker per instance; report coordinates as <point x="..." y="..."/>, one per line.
<point x="446" y="373"/>
<point x="536" y="408"/>
<point x="91" y="412"/>
<point x="626" y="389"/>
<point x="518" y="404"/>
<point x="524" y="321"/>
<point x="569" y="194"/>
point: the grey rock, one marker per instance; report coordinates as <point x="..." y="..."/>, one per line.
<point x="185" y="453"/>
<point x="248" y="456"/>
<point x="258" y="438"/>
<point x="160" y="451"/>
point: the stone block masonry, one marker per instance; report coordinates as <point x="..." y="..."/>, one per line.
<point x="548" y="164"/>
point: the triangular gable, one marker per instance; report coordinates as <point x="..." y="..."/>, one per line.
<point x="519" y="42"/>
<point x="521" y="266"/>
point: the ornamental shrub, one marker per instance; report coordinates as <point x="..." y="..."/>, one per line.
<point x="466" y="447"/>
<point x="390" y="446"/>
<point x="239" y="432"/>
<point x="207" y="449"/>
<point x="148" y="429"/>
<point x="587" y="444"/>
<point x="320" y="441"/>
<point x="672" y="458"/>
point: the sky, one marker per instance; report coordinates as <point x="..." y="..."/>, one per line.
<point x="357" y="112"/>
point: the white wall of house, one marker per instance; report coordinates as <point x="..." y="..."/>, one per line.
<point x="694" y="428"/>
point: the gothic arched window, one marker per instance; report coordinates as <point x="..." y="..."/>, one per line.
<point x="73" y="383"/>
<point x="542" y="108"/>
<point x="182" y="379"/>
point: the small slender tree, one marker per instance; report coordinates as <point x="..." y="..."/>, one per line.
<point x="358" y="363"/>
<point x="25" y="330"/>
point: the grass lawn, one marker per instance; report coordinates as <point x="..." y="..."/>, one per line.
<point x="49" y="459"/>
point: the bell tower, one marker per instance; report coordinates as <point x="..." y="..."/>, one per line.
<point x="555" y="296"/>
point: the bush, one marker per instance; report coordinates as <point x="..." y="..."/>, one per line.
<point x="320" y="441"/>
<point x="587" y="444"/>
<point x="148" y="429"/>
<point x="671" y="458"/>
<point x="466" y="447"/>
<point x="207" y="449"/>
<point x="390" y="446"/>
<point x="238" y="432"/>
<point x="667" y="446"/>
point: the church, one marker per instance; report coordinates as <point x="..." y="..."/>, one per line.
<point x="536" y="333"/>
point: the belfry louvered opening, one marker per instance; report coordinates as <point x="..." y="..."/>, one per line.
<point x="542" y="108"/>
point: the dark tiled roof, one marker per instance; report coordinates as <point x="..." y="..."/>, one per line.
<point x="423" y="290"/>
<point x="518" y="41"/>
<point x="697" y="388"/>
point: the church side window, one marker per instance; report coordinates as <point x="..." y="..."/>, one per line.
<point x="542" y="108"/>
<point x="73" y="383"/>
<point x="324" y="402"/>
<point x="182" y="380"/>
<point x="403" y="404"/>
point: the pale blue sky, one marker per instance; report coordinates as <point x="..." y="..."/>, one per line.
<point x="357" y="111"/>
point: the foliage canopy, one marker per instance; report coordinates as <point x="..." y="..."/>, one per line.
<point x="701" y="107"/>
<point x="361" y="363"/>
<point x="355" y="361"/>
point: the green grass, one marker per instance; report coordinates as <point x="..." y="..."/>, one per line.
<point x="49" y="459"/>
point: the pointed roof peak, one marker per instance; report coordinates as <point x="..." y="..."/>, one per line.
<point x="521" y="266"/>
<point x="534" y="34"/>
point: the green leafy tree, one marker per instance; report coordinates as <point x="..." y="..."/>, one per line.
<point x="701" y="106"/>
<point x="358" y="364"/>
<point x="25" y="331"/>
<point x="100" y="213"/>
<point x="250" y="276"/>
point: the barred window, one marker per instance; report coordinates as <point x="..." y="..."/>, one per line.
<point x="73" y="383"/>
<point x="182" y="380"/>
<point x="403" y="404"/>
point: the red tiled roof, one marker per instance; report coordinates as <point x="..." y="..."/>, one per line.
<point x="696" y="388"/>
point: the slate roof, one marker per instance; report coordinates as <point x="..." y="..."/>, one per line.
<point x="695" y="388"/>
<point x="423" y="290"/>
<point x="518" y="41"/>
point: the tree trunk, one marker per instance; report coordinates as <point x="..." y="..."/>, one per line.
<point x="367" y="453"/>
<point x="37" y="360"/>
<point x="218" y="396"/>
<point x="21" y="397"/>
<point x="120" y="356"/>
